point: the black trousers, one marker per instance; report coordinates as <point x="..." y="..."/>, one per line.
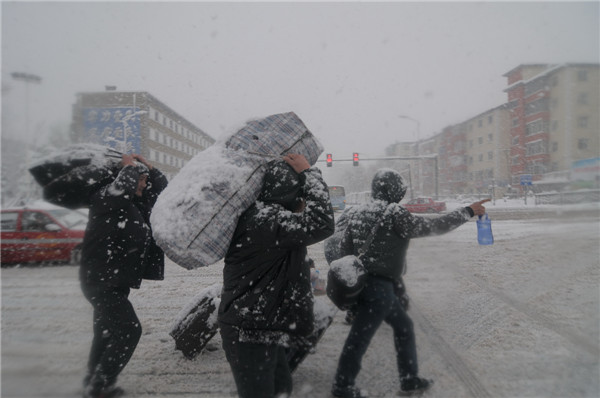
<point x="259" y="370"/>
<point x="117" y="331"/>
<point x="377" y="303"/>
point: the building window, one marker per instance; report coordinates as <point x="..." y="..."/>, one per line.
<point x="164" y="121"/>
<point x="515" y="160"/>
<point x="490" y="137"/>
<point x="490" y="155"/>
<point x="480" y="140"/>
<point x="582" y="99"/>
<point x="582" y="121"/>
<point x="156" y="117"/>
<point x="515" y="122"/>
<point x="481" y="157"/>
<point x="535" y="147"/>
<point x="582" y="75"/>
<point x="479" y="123"/>
<point x="539" y="105"/>
<point x="535" y="127"/>
<point x="582" y="143"/>
<point x="490" y="119"/>
<point x="515" y="140"/>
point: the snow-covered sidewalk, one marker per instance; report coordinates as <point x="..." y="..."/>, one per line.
<point x="517" y="319"/>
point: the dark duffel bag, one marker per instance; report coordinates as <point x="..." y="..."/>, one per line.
<point x="345" y="281"/>
<point x="73" y="189"/>
<point x="197" y="322"/>
<point x="68" y="177"/>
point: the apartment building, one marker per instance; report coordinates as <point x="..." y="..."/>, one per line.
<point x="547" y="132"/>
<point x="554" y="121"/>
<point x="140" y="123"/>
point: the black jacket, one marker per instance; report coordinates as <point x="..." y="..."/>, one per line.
<point x="118" y="248"/>
<point x="266" y="279"/>
<point x="386" y="256"/>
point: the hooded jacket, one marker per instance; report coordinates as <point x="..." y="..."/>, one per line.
<point x="118" y="248"/>
<point x="266" y="292"/>
<point x="386" y="256"/>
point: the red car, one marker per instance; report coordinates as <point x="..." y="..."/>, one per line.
<point x="425" y="205"/>
<point x="40" y="235"/>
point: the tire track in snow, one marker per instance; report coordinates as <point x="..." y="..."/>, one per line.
<point x="454" y="361"/>
<point x="583" y="343"/>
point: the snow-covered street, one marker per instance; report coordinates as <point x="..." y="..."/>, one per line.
<point x="520" y="318"/>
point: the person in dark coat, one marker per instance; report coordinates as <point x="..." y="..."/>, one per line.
<point x="118" y="251"/>
<point x="384" y="261"/>
<point x="266" y="301"/>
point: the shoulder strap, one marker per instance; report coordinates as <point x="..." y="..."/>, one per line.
<point x="365" y="246"/>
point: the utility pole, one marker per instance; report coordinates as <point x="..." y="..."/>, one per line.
<point x="28" y="79"/>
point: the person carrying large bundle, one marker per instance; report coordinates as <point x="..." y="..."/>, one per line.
<point x="118" y="252"/>
<point x="266" y="301"/>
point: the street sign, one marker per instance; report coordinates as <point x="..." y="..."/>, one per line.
<point x="526" y="179"/>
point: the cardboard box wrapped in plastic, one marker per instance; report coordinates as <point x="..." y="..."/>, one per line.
<point x="195" y="217"/>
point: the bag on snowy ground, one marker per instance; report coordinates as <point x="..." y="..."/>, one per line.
<point x="484" y="231"/>
<point x="324" y="314"/>
<point x="195" y="217"/>
<point x="70" y="176"/>
<point x="197" y="322"/>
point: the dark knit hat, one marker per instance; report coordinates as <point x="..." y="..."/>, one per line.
<point x="141" y="168"/>
<point x="387" y="185"/>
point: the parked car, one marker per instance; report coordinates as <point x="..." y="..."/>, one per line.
<point x="425" y="205"/>
<point x="44" y="234"/>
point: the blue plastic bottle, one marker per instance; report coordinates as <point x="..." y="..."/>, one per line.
<point x="484" y="231"/>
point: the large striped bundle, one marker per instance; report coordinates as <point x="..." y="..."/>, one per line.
<point x="195" y="217"/>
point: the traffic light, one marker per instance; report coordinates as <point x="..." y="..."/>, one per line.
<point x="329" y="160"/>
<point x="355" y="158"/>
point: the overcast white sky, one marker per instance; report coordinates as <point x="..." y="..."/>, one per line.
<point x="348" y="69"/>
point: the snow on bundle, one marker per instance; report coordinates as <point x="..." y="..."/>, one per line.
<point x="68" y="177"/>
<point x="195" y="217"/>
<point x="345" y="281"/>
<point x="197" y="323"/>
<point x="347" y="270"/>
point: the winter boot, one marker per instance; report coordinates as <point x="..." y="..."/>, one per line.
<point x="346" y="392"/>
<point x="414" y="385"/>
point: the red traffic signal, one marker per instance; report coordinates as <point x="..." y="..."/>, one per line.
<point x="329" y="160"/>
<point x="355" y="158"/>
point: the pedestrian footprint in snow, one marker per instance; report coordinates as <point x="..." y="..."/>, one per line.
<point x="118" y="252"/>
<point x="266" y="302"/>
<point x="384" y="261"/>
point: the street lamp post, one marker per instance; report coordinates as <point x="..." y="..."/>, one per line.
<point x="417" y="137"/>
<point x="27" y="78"/>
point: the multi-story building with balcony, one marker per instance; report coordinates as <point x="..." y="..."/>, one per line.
<point x="554" y="120"/>
<point x="137" y="122"/>
<point x="547" y="133"/>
